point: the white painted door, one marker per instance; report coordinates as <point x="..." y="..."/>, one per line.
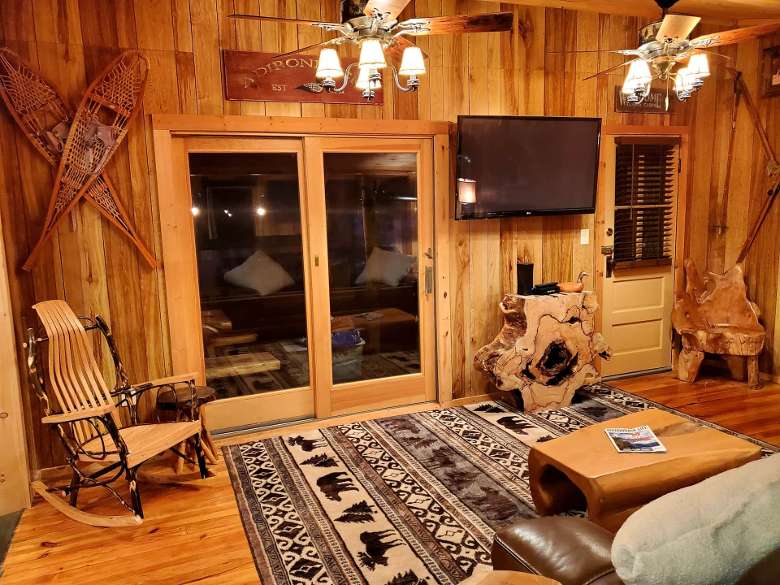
<point x="641" y="186"/>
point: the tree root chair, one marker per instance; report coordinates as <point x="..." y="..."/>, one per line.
<point x="86" y="416"/>
<point x="713" y="315"/>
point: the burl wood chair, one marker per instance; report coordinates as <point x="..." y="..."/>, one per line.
<point x="86" y="415"/>
<point x="714" y="315"/>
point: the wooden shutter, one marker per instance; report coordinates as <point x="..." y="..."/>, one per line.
<point x="645" y="193"/>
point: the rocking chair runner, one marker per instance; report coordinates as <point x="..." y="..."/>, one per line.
<point x="88" y="421"/>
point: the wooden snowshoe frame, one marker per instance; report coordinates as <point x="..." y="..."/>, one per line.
<point x="45" y="119"/>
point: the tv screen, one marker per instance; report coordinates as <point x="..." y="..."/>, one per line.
<point x="528" y="165"/>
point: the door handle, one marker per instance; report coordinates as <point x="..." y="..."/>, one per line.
<point x="610" y="265"/>
<point x="608" y="251"/>
<point x="428" y="280"/>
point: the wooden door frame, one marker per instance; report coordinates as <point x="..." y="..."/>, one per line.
<point x="14" y="466"/>
<point x="177" y="237"/>
<point x="681" y="132"/>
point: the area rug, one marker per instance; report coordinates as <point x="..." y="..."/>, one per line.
<point x="404" y="500"/>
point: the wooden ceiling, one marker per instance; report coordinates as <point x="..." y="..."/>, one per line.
<point x="727" y="10"/>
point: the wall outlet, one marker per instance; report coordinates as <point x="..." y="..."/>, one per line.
<point x="585" y="236"/>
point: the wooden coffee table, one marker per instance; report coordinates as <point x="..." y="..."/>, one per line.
<point x="508" y="578"/>
<point x="583" y="468"/>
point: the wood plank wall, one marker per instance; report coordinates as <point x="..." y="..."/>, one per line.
<point x="529" y="71"/>
<point x="720" y="215"/>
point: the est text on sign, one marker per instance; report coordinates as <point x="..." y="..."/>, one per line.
<point x="264" y="77"/>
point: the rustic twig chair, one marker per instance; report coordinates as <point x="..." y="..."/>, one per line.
<point x="86" y="415"/>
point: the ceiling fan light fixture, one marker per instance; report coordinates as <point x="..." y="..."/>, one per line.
<point x="372" y="56"/>
<point x="412" y="62"/>
<point x="699" y="66"/>
<point x="639" y="73"/>
<point x="329" y="65"/>
<point x="685" y="84"/>
<point x="368" y="79"/>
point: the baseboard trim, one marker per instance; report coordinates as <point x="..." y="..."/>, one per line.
<point x="472" y="399"/>
<point x="636" y="374"/>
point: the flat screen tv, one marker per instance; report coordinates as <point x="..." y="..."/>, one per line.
<point x="528" y="165"/>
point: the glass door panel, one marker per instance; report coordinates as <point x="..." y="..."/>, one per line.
<point x="372" y="219"/>
<point x="371" y="226"/>
<point x="249" y="241"/>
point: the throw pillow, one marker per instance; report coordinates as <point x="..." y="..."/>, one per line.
<point x="385" y="266"/>
<point x="711" y="532"/>
<point x="261" y="273"/>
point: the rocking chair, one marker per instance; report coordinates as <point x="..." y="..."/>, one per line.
<point x="87" y="418"/>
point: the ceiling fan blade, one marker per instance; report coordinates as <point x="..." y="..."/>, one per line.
<point x="306" y="48"/>
<point x="285" y="20"/>
<point x="737" y="35"/>
<point x="607" y="71"/>
<point x="616" y="51"/>
<point x="676" y="26"/>
<point x="390" y="8"/>
<point x="442" y="25"/>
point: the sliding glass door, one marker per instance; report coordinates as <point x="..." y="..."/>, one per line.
<point x="313" y="267"/>
<point x="372" y="245"/>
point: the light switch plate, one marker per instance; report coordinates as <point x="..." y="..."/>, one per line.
<point x="584" y="236"/>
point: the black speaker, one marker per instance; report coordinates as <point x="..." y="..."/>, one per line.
<point x="525" y="278"/>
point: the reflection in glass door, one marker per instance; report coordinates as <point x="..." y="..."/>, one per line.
<point x="375" y="197"/>
<point x="250" y="245"/>
<point x="371" y="216"/>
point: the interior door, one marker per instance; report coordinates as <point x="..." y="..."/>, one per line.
<point x="247" y="205"/>
<point x="371" y="214"/>
<point x="640" y="195"/>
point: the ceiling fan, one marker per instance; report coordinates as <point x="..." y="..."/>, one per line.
<point x="378" y="32"/>
<point x="664" y="46"/>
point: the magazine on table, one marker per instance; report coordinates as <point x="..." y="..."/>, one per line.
<point x="635" y="440"/>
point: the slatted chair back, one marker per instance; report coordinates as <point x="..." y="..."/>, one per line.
<point x="74" y="377"/>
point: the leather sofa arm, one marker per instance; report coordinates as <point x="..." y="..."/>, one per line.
<point x="573" y="551"/>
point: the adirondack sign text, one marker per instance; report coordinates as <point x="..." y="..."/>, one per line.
<point x="262" y="77"/>
<point x="654" y="103"/>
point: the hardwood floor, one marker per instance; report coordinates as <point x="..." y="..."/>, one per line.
<point x="726" y="402"/>
<point x="193" y="533"/>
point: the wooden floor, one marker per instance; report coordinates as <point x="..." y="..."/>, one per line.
<point x="193" y="533"/>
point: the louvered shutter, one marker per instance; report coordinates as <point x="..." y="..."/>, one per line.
<point x="645" y="193"/>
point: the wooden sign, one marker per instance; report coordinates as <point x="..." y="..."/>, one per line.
<point x="655" y="103"/>
<point x="261" y="77"/>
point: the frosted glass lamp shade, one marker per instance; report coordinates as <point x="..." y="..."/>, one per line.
<point x="412" y="62"/>
<point x="364" y="80"/>
<point x="638" y="76"/>
<point x="329" y="64"/>
<point x="467" y="191"/>
<point x="698" y="66"/>
<point x="372" y="56"/>
<point x="684" y="82"/>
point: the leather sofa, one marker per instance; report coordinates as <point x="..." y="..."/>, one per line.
<point x="575" y="551"/>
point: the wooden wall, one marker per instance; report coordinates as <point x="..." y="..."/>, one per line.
<point x="721" y="214"/>
<point x="529" y="71"/>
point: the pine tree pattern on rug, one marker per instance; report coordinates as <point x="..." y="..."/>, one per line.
<point x="410" y="499"/>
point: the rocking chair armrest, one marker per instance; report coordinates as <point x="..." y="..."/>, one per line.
<point x="175" y="379"/>
<point x="78" y="415"/>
